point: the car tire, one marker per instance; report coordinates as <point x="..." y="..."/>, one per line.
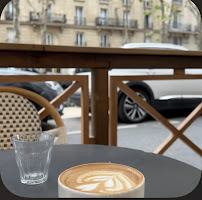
<point x="129" y="111"/>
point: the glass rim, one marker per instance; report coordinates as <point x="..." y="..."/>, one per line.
<point x="15" y="139"/>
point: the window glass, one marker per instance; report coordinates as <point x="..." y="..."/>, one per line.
<point x="49" y="39"/>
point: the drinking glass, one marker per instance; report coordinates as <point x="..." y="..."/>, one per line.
<point x="33" y="156"/>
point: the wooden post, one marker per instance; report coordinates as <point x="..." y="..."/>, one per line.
<point x="113" y="112"/>
<point x="85" y="113"/>
<point x="99" y="105"/>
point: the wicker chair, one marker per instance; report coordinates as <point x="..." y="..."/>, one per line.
<point x="18" y="114"/>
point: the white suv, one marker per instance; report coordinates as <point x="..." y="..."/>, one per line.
<point x="161" y="94"/>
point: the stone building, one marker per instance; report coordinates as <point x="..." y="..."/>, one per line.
<point x="103" y="23"/>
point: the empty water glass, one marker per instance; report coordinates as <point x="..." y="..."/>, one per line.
<point x="33" y="156"/>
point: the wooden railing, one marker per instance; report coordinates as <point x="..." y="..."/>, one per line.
<point x="117" y="82"/>
<point x="100" y="60"/>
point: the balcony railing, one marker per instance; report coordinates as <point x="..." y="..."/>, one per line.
<point x="53" y="18"/>
<point x="8" y="16"/>
<point x="148" y="25"/>
<point x="127" y="2"/>
<point x="33" y="16"/>
<point x="104" y="1"/>
<point x="177" y="1"/>
<point x="57" y="18"/>
<point x="181" y="27"/>
<point x="104" y="98"/>
<point x="196" y="28"/>
<point x="82" y="44"/>
<point x="112" y="22"/>
<point x="104" y="44"/>
<point x="81" y="21"/>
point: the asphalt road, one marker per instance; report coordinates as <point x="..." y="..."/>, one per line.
<point x="146" y="136"/>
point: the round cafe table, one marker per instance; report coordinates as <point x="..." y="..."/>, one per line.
<point x="165" y="177"/>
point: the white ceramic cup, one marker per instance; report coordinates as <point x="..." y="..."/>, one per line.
<point x="66" y="192"/>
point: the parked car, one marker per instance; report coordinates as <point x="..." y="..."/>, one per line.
<point x="64" y="84"/>
<point x="161" y="94"/>
<point x="48" y="89"/>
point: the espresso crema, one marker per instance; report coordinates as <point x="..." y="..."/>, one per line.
<point x="101" y="178"/>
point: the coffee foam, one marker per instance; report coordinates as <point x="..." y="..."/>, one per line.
<point x="101" y="178"/>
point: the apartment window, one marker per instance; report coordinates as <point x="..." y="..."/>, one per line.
<point x="10" y="35"/>
<point x="126" y="2"/>
<point x="148" y="21"/>
<point x="80" y="39"/>
<point x="103" y="16"/>
<point x="177" y="20"/>
<point x="147" y="3"/>
<point x="9" y="11"/>
<point x="126" y="18"/>
<point x="79" y="19"/>
<point x="104" y="40"/>
<point x="177" y="40"/>
<point x="49" y="11"/>
<point x="49" y="39"/>
<point x="148" y="39"/>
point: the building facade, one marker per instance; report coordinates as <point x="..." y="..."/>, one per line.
<point x="103" y="23"/>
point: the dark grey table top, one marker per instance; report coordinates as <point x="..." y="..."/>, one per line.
<point x="165" y="177"/>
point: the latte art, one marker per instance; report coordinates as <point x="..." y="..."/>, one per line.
<point x="104" y="182"/>
<point x="101" y="178"/>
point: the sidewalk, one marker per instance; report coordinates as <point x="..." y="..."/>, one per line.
<point x="71" y="112"/>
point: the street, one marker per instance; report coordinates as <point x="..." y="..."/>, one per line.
<point x="146" y="136"/>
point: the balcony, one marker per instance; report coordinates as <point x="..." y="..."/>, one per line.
<point x="57" y="18"/>
<point x="177" y="1"/>
<point x="80" y="21"/>
<point x="112" y="22"/>
<point x="81" y="44"/>
<point x="8" y="16"/>
<point x="127" y="2"/>
<point x="178" y="4"/>
<point x="181" y="27"/>
<point x="148" y="25"/>
<point x="104" y="1"/>
<point x="104" y="44"/>
<point x="33" y="16"/>
<point x="53" y="18"/>
<point x="196" y="28"/>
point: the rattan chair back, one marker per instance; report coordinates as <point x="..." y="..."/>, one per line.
<point x="18" y="114"/>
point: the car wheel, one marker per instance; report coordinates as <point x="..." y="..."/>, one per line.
<point x="129" y="111"/>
